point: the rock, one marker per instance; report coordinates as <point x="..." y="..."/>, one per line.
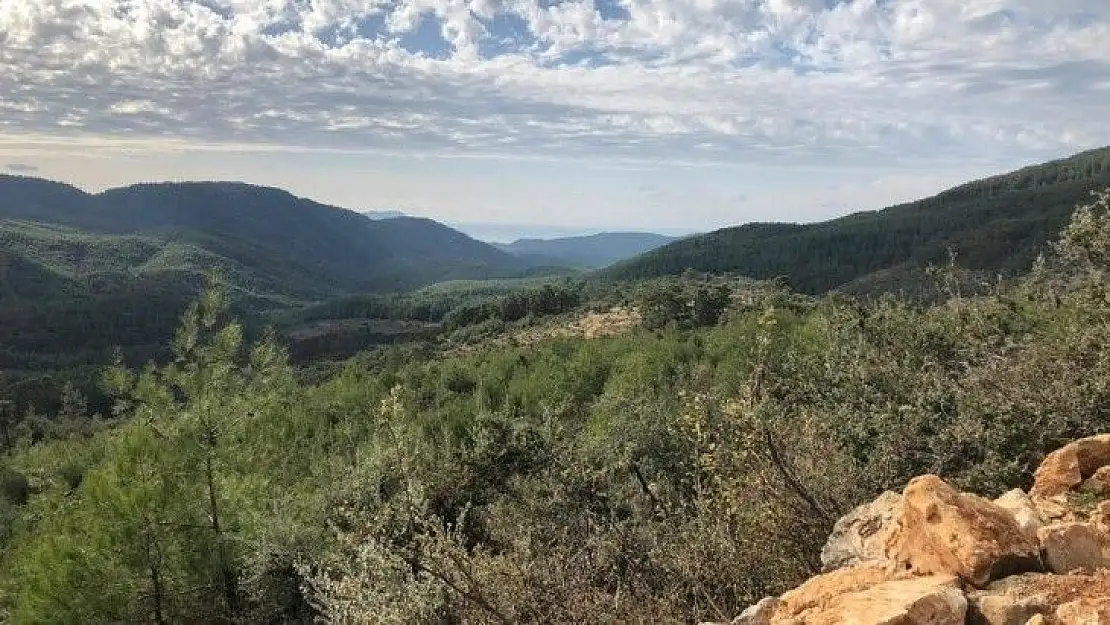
<point x="1011" y="601"/>
<point x="1071" y="547"/>
<point x="758" y="614"/>
<point x="1021" y="508"/>
<point x="1084" y="612"/>
<point x="1022" y="599"/>
<point x="1054" y="509"/>
<point x="860" y="536"/>
<point x="873" y="594"/>
<point x="1037" y="620"/>
<point x="1098" y="484"/>
<point x="939" y="530"/>
<point x="1100" y="518"/>
<point x="1067" y="467"/>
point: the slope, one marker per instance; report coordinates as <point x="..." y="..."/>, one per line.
<point x="589" y="252"/>
<point x="298" y="248"/>
<point x="996" y="225"/>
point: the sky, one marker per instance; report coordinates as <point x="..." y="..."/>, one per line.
<point x="574" y="115"/>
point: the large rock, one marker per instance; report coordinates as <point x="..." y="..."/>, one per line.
<point x="1038" y="597"/>
<point x="1023" y="511"/>
<point x="1098" y="484"/>
<point x="940" y="530"/>
<point x="873" y="595"/>
<point x="1067" y="467"/>
<point x="759" y="614"/>
<point x="1084" y="612"/>
<point x="1069" y="547"/>
<point x="860" y="536"/>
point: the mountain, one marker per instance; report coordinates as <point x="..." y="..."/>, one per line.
<point x="590" y="252"/>
<point x="82" y="273"/>
<point x="995" y="226"/>
<point x="283" y="246"/>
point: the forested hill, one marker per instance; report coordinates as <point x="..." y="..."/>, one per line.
<point x="995" y="225"/>
<point x="299" y="247"/>
<point x="82" y="274"/>
<point x="591" y="251"/>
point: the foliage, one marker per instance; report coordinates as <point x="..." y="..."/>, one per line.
<point x="671" y="474"/>
<point x="997" y="226"/>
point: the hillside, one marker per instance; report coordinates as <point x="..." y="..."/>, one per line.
<point x="996" y="225"/>
<point x="308" y="249"/>
<point x="588" y="252"/>
<point x="82" y="273"/>
<point x="611" y="472"/>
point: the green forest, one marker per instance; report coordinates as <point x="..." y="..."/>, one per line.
<point x="499" y="471"/>
<point x="995" y="226"/>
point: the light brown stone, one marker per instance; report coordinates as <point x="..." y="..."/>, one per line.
<point x="1069" y="547"/>
<point x="860" y="536"/>
<point x="758" y="614"/>
<point x="1093" y="611"/>
<point x="939" y="530"/>
<point x="1101" y="517"/>
<point x="1022" y="598"/>
<point x="1067" y="467"/>
<point x="1021" y="508"/>
<point x="874" y="595"/>
<point x="1098" y="484"/>
<point x="1055" y="508"/>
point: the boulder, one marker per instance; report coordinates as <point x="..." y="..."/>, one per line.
<point x="860" y="536"/>
<point x="1054" y="509"/>
<point x="758" y="614"/>
<point x="1021" y="508"/>
<point x="1067" y="467"/>
<point x="1084" y="612"/>
<point x="1101" y="517"/>
<point x="1098" y="484"/>
<point x="1069" y="547"/>
<point x="1021" y="599"/>
<point x="939" y="530"/>
<point x="873" y="594"/>
<point x="1011" y="601"/>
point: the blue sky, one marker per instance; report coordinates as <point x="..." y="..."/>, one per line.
<point x="599" y="114"/>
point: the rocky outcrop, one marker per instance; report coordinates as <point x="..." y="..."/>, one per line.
<point x="939" y="530"/>
<point x="1056" y="598"/>
<point x="1066" y="468"/>
<point x="873" y="594"/>
<point x="1070" y="547"/>
<point x="1021" y="508"/>
<point x="860" y="536"/>
<point x="933" y="555"/>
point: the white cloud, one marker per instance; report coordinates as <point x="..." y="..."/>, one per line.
<point x="781" y="80"/>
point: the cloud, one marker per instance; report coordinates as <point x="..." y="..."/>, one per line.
<point x="21" y="168"/>
<point x="779" y="81"/>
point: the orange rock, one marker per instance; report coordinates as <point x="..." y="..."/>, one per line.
<point x="860" y="536"/>
<point x="1023" y="510"/>
<point x="873" y="594"/>
<point x="1020" y="599"/>
<point x="1099" y="482"/>
<point x="1069" y="547"/>
<point x="1067" y="467"/>
<point x="940" y="530"/>
<point x="1084" y="612"/>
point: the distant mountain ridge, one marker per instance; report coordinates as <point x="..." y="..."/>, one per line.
<point x="589" y="251"/>
<point x="306" y="248"/>
<point x="82" y="274"/>
<point x="995" y="226"/>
